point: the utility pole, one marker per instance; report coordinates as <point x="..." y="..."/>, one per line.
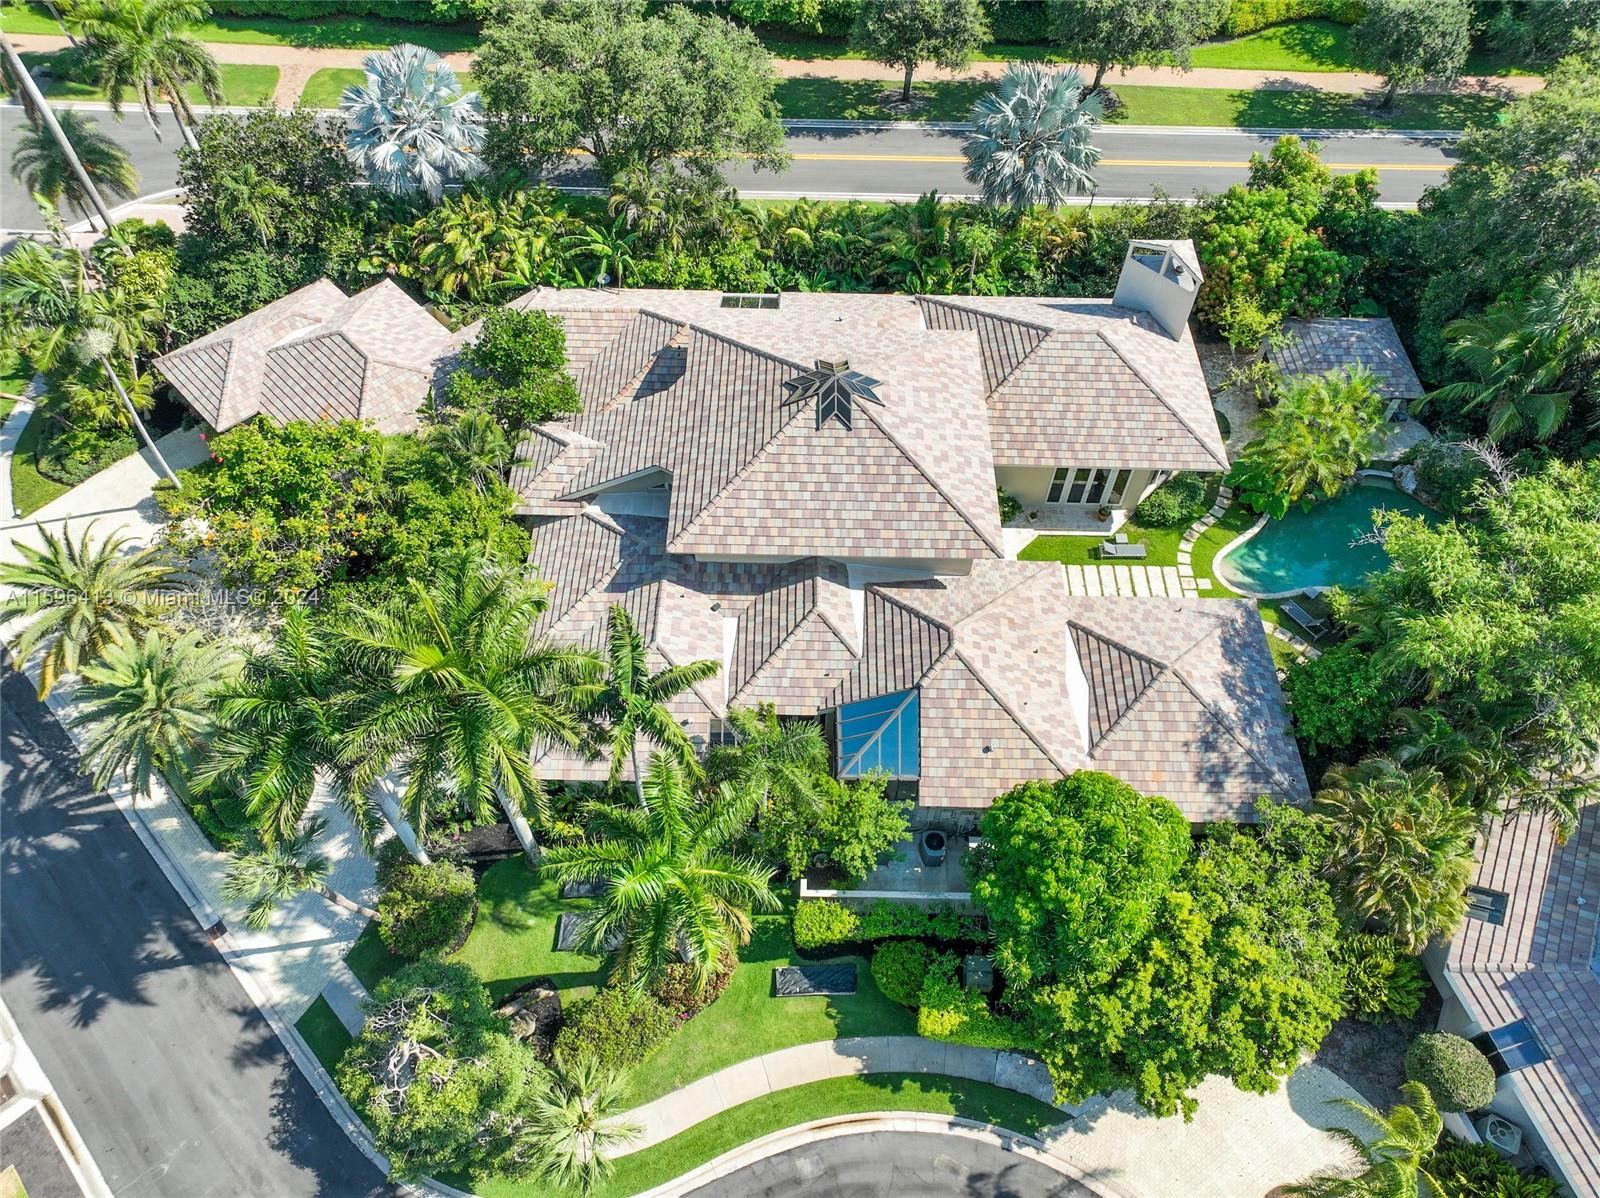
<point x="31" y="89"/>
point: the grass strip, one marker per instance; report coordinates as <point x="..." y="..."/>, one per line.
<point x="323" y="1033"/>
<point x="31" y="490"/>
<point x="369" y="959"/>
<point x="326" y="85"/>
<point x="242" y="84"/>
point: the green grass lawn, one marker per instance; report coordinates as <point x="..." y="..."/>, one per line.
<point x="1161" y="543"/>
<point x="514" y="939"/>
<point x="650" y="1167"/>
<point x="320" y="1028"/>
<point x="821" y="98"/>
<point x="369" y="960"/>
<point x="1295" y="46"/>
<point x="31" y="490"/>
<point x="1232" y="522"/>
<point x="242" y="83"/>
<point x="325" y="86"/>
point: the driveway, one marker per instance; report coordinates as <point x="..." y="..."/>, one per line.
<point x="176" y="1082"/>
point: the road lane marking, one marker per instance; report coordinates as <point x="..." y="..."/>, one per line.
<point x="1195" y="163"/>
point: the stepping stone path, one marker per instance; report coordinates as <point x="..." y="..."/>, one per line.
<point x="1174" y="582"/>
<point x="569" y="928"/>
<point x="797" y="981"/>
<point x="587" y="889"/>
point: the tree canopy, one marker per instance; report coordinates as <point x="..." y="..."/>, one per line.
<point x="1127" y="33"/>
<point x="902" y="33"/>
<point x="1408" y="41"/>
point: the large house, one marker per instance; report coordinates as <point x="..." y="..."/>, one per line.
<point x="804" y="488"/>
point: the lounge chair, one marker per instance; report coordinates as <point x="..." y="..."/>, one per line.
<point x="1315" y="625"/>
<point x="1114" y="549"/>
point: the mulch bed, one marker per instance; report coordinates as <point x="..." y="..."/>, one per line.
<point x="534" y="1010"/>
<point x="1371" y="1057"/>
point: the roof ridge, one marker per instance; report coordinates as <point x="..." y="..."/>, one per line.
<point x="1160" y="668"/>
<point x="947" y="302"/>
<point x="799" y="625"/>
<point x="1155" y="391"/>
<point x="712" y="705"/>
<point x="999" y="549"/>
<point x="1026" y="580"/>
<point x="1128" y="649"/>
<point x="1006" y="707"/>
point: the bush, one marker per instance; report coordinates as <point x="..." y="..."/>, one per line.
<point x="948" y="1011"/>
<point x="1247" y="16"/>
<point x="619" y="1029"/>
<point x="1458" y="1076"/>
<point x="1465" y="1170"/>
<point x="1447" y="475"/>
<point x="819" y="923"/>
<point x="1340" y="700"/>
<point x="1381" y="985"/>
<point x="676" y="988"/>
<point x="79" y="451"/>
<point x="885" y="920"/>
<point x="426" y="907"/>
<point x="1176" y="503"/>
<point x="1013" y="22"/>
<point x="899" y="968"/>
<point x="831" y="18"/>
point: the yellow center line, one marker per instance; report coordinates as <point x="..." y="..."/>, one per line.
<point x="1197" y="163"/>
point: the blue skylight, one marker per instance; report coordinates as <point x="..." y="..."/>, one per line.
<point x="880" y="734"/>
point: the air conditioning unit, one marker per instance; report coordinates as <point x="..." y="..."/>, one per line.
<point x="1505" y="1135"/>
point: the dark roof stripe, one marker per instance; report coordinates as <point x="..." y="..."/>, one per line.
<point x="200" y="375"/>
<point x="1116" y="675"/>
<point x="1003" y="343"/>
<point x="585" y="553"/>
<point x="899" y="652"/>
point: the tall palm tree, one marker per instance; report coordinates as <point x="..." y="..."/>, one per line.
<point x="1032" y="139"/>
<point x="1396" y="1157"/>
<point x="672" y="884"/>
<point x="630" y="701"/>
<point x="409" y="127"/>
<point x="573" y="1124"/>
<point x="81" y="598"/>
<point x="773" y="760"/>
<point x="270" y="874"/>
<point x="1403" y="847"/>
<point x="248" y="201"/>
<point x="447" y="686"/>
<point x="40" y="163"/>
<point x="147" y="47"/>
<point x="148" y="706"/>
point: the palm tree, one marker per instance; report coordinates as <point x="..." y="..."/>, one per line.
<point x="1313" y="440"/>
<point x="611" y="251"/>
<point x="474" y="446"/>
<point x="1032" y="141"/>
<point x="672" y="883"/>
<point x="447" y="686"/>
<point x="270" y="874"/>
<point x="82" y="598"/>
<point x="148" y="707"/>
<point x="1396" y="1158"/>
<point x="40" y="163"/>
<point x="409" y="127"/>
<point x="574" y="1123"/>
<point x="773" y="760"/>
<point x="247" y="200"/>
<point x="1403" y="847"/>
<point x="146" y="47"/>
<point x="41" y="300"/>
<point x="630" y="701"/>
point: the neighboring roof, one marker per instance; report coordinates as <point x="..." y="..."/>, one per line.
<point x="315" y="354"/>
<point x="1542" y="964"/>
<point x="1333" y="342"/>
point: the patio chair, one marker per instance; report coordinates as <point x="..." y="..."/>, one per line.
<point x="1315" y="625"/>
<point x="1134" y="551"/>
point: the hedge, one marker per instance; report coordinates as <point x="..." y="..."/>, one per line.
<point x="949" y="1011"/>
<point x="824" y="923"/>
<point x="619" y="1029"/>
<point x="900" y="967"/>
<point x="426" y="907"/>
<point x="1247" y="16"/>
<point x="422" y="12"/>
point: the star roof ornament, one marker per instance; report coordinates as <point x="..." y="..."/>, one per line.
<point x="836" y="387"/>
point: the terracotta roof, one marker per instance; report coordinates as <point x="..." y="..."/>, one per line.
<point x="1542" y="964"/>
<point x="315" y="354"/>
<point x="1331" y="342"/>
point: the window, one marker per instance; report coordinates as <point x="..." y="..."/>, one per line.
<point x="722" y="733"/>
<point x="1097" y="486"/>
<point x="750" y="301"/>
<point x="881" y="734"/>
<point x="1485" y="904"/>
<point x="1080" y="480"/>
<point x="1511" y="1047"/>
<point x="1057" y="484"/>
<point x="1119" y="486"/>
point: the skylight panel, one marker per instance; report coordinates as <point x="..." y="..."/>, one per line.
<point x="836" y="388"/>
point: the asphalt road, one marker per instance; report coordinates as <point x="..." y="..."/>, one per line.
<point x="902" y="162"/>
<point x="177" y="1084"/>
<point x="902" y="1164"/>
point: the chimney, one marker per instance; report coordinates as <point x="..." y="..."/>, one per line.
<point x="1161" y="278"/>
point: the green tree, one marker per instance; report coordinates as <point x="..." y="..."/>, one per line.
<point x="853" y="824"/>
<point x="410" y="126"/>
<point x="625" y="88"/>
<point x="448" y="689"/>
<point x="1407" y="41"/>
<point x="1311" y="442"/>
<point x="476" y="249"/>
<point x="672" y="882"/>
<point x="574" y="1123"/>
<point x="41" y="166"/>
<point x="245" y="200"/>
<point x="778" y="761"/>
<point x="1127" y="33"/>
<point x="271" y="874"/>
<point x="1340" y="698"/>
<point x="474" y="448"/>
<point x="902" y="33"/>
<point x="1396" y="1156"/>
<point x="515" y="369"/>
<point x="147" y="708"/>
<point x="1032" y="140"/>
<point x="79" y="598"/>
<point x="630" y="701"/>
<point x="1402" y="848"/>
<point x="147" y="47"/>
<point x="1071" y="874"/>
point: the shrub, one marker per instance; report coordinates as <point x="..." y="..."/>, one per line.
<point x="1458" y="1076"/>
<point x="676" y="988"/>
<point x="948" y="1011"/>
<point x="1447" y="475"/>
<point x="1010" y="507"/>
<point x="1339" y="700"/>
<point x="819" y="923"/>
<point x="886" y="919"/>
<point x="1176" y="503"/>
<point x="426" y="907"/>
<point x="1381" y="985"/>
<point x="899" y="968"/>
<point x="1465" y="1170"/>
<point x="619" y="1029"/>
<point x="1013" y="22"/>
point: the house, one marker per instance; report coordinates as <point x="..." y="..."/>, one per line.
<point x="1522" y="978"/>
<point x="803" y="488"/>
<point x="1336" y="342"/>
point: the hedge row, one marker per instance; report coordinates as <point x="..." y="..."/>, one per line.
<point x="424" y="12"/>
<point x="823" y="923"/>
<point x="1247" y="16"/>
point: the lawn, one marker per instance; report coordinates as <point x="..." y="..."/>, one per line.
<point x="31" y="490"/>
<point x="320" y="1028"/>
<point x="649" y="1167"/>
<point x="1162" y="543"/>
<point x="514" y="939"/>
<point x="1229" y="525"/>
<point x="369" y="960"/>
<point x="822" y="98"/>
<point x="325" y="86"/>
<point x="242" y="83"/>
<point x="1295" y="46"/>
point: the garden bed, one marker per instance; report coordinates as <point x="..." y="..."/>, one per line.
<point x="1371" y="1057"/>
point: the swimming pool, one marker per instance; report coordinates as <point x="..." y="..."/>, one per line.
<point x="1313" y="548"/>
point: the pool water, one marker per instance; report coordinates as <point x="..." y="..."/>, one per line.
<point x="1312" y="548"/>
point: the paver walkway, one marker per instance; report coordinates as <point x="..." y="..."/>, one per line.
<point x="10" y="432"/>
<point x="1133" y="579"/>
<point x="297" y="63"/>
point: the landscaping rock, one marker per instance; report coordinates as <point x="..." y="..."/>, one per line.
<point x="534" y="1012"/>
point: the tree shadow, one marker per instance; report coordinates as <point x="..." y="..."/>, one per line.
<point x="819" y="97"/>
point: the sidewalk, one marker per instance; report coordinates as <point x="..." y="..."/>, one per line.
<point x="296" y="64"/>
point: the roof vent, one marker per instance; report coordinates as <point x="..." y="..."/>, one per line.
<point x="835" y="387"/>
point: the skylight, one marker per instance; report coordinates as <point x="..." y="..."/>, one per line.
<point x="766" y="299"/>
<point x="881" y="734"/>
<point x="836" y="387"/>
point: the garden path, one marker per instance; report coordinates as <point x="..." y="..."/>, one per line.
<point x="10" y="433"/>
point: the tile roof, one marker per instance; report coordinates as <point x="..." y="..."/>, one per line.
<point x="1542" y="964"/>
<point x="315" y="354"/>
<point x="1330" y="342"/>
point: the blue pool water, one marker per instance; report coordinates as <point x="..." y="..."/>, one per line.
<point x="1313" y="548"/>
